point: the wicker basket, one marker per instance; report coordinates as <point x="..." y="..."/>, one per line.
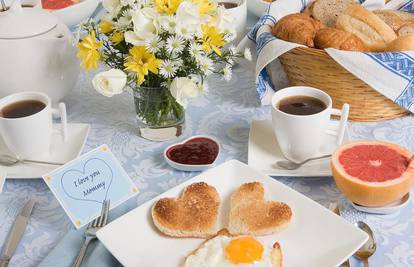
<point x="314" y="67"/>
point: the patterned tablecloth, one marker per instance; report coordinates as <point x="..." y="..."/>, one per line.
<point x="225" y="112"/>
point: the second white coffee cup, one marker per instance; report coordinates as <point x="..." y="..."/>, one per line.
<point x="300" y="136"/>
<point x="31" y="135"/>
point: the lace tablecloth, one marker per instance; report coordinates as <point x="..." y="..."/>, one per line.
<point x="225" y="112"/>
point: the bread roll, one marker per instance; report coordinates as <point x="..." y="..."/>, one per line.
<point x="406" y="29"/>
<point x="327" y="11"/>
<point x="394" y="18"/>
<point x="373" y="32"/>
<point x="402" y="43"/>
<point x="297" y="28"/>
<point x="335" y="38"/>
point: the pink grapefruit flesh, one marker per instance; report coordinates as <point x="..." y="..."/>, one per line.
<point x="373" y="173"/>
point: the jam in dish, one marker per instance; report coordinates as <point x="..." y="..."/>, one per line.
<point x="197" y="151"/>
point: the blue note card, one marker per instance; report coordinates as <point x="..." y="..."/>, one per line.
<point x="84" y="183"/>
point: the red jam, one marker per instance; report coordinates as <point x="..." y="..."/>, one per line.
<point x="57" y="4"/>
<point x="197" y="151"/>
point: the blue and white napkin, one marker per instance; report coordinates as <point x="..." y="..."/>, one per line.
<point x="391" y="74"/>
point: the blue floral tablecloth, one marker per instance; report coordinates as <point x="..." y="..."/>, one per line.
<point x="225" y="112"/>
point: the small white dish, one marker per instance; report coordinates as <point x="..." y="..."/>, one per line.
<point x="316" y="237"/>
<point x="190" y="167"/>
<point x="258" y="7"/>
<point x="264" y="151"/>
<point x="388" y="209"/>
<point x="59" y="152"/>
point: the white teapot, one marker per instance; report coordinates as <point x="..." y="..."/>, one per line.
<point x="37" y="53"/>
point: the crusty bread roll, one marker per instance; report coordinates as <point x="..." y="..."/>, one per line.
<point x="406" y="29"/>
<point x="394" y="18"/>
<point x="327" y="11"/>
<point x="402" y="43"/>
<point x="338" y="39"/>
<point x="297" y="28"/>
<point x="373" y="32"/>
<point x="193" y="214"/>
<point x="276" y="256"/>
<point x="252" y="214"/>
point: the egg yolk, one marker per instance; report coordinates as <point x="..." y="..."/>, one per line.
<point x="244" y="250"/>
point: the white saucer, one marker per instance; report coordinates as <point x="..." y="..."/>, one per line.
<point x="59" y="152"/>
<point x="390" y="208"/>
<point x="264" y="151"/>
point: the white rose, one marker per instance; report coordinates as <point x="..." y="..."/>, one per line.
<point x="188" y="16"/>
<point x="145" y="26"/>
<point x="110" y="83"/>
<point x="183" y="88"/>
<point x="112" y="6"/>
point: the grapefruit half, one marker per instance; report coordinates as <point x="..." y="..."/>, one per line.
<point x="373" y="173"/>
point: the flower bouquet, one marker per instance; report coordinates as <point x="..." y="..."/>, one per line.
<point x="163" y="50"/>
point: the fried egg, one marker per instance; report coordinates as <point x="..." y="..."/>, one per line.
<point x="240" y="251"/>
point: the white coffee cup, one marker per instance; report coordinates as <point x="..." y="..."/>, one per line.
<point x="300" y="136"/>
<point x="239" y="18"/>
<point x="30" y="136"/>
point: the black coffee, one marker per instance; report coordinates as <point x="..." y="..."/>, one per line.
<point x="228" y="5"/>
<point x="21" y="109"/>
<point x="301" y="105"/>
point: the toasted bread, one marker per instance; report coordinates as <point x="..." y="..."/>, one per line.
<point x="193" y="214"/>
<point x="276" y="256"/>
<point x="327" y="11"/>
<point x="251" y="214"/>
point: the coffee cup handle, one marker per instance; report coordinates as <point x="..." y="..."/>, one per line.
<point x="343" y="114"/>
<point x="61" y="112"/>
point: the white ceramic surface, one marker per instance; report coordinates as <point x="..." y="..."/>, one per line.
<point x="300" y="136"/>
<point x="60" y="152"/>
<point x="258" y="7"/>
<point x="188" y="167"/>
<point x="239" y="15"/>
<point x="134" y="240"/>
<point x="31" y="135"/>
<point x="73" y="15"/>
<point x="388" y="209"/>
<point x="42" y="58"/>
<point x="264" y="151"/>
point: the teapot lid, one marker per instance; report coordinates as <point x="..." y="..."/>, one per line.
<point x="18" y="22"/>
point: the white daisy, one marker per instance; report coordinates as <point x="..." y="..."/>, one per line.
<point x="168" y="23"/>
<point x="184" y="31"/>
<point x="154" y="44"/>
<point x="124" y="21"/>
<point x="247" y="54"/>
<point x="195" y="50"/>
<point x="229" y="35"/>
<point x="127" y="2"/>
<point x="175" y="44"/>
<point x="227" y="73"/>
<point x="206" y="65"/>
<point x="233" y="49"/>
<point x="168" y="69"/>
<point x="202" y="87"/>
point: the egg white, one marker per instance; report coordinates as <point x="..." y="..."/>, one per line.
<point x="211" y="254"/>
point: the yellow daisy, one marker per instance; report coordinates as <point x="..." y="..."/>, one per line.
<point x="105" y="26"/>
<point x="205" y="6"/>
<point x="141" y="62"/>
<point x="88" y="51"/>
<point x="116" y="37"/>
<point x="167" y="6"/>
<point x="212" y="39"/>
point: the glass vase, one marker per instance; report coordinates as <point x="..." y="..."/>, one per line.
<point x="159" y="116"/>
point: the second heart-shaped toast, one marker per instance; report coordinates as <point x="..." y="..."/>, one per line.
<point x="252" y="214"/>
<point x="193" y="214"/>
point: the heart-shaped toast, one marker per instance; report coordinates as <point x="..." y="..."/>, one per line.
<point x="251" y="214"/>
<point x="193" y="214"/>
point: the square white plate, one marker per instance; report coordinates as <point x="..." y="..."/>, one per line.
<point x="264" y="151"/>
<point x="316" y="236"/>
<point x="59" y="152"/>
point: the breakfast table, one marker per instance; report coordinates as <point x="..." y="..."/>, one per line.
<point x="224" y="112"/>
